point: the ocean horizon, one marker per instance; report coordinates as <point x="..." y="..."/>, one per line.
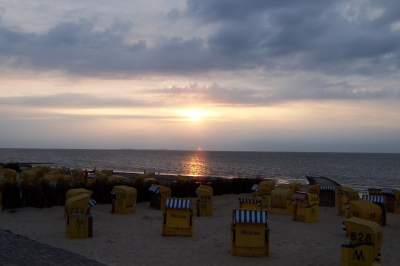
<point x="358" y="170"/>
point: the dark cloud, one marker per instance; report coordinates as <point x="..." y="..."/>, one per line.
<point x="295" y="35"/>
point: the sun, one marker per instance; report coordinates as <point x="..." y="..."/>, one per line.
<point x="193" y="115"/>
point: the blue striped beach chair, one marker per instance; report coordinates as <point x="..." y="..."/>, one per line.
<point x="249" y="233"/>
<point x="178" y="217"/>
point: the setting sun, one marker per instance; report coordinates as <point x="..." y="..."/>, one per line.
<point x="193" y="115"/>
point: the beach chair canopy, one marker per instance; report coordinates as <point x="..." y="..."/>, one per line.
<point x="388" y="191"/>
<point x="327" y="187"/>
<point x="250" y="216"/>
<point x="178" y="203"/>
<point x="247" y="200"/>
<point x="154" y="189"/>
<point x="374" y="198"/>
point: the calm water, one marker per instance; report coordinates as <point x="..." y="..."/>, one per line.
<point x="358" y="170"/>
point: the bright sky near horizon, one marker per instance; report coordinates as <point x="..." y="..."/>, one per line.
<point x="255" y="75"/>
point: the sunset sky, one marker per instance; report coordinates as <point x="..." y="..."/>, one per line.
<point x="228" y="75"/>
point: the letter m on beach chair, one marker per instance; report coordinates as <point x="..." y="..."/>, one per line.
<point x="178" y="217"/>
<point x="249" y="233"/>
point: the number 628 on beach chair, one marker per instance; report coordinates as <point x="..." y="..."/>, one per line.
<point x="249" y="233"/>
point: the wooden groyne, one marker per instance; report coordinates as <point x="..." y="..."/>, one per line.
<point x="312" y="180"/>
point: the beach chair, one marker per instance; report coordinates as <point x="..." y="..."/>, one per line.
<point x="380" y="201"/>
<point x="75" y="192"/>
<point x="366" y="210"/>
<point x="392" y="199"/>
<point x="204" y="202"/>
<point x="305" y="207"/>
<point x="125" y="201"/>
<point x="327" y="195"/>
<point x="178" y="217"/>
<point x="374" y="191"/>
<point x="78" y="224"/>
<point x="262" y="192"/>
<point x="344" y="197"/>
<point x="158" y="195"/>
<point x="281" y="200"/>
<point x="249" y="233"/>
<point x="365" y="243"/>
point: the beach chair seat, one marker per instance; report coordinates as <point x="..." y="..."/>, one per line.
<point x="365" y="242"/>
<point x="281" y="200"/>
<point x="305" y="207"/>
<point x="178" y="217"/>
<point x="250" y="204"/>
<point x="125" y="201"/>
<point x="327" y="195"/>
<point x="249" y="233"/>
<point x="158" y="195"/>
<point x="204" y="202"/>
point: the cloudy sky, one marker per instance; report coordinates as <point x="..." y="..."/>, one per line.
<point x="255" y="75"/>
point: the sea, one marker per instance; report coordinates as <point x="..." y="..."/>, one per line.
<point x="357" y="170"/>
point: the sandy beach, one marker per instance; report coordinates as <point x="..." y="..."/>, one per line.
<point x="136" y="239"/>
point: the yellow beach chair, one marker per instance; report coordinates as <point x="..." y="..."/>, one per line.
<point x="262" y="192"/>
<point x="249" y="233"/>
<point x="305" y="207"/>
<point x="125" y="201"/>
<point x="178" y="217"/>
<point x="365" y="243"/>
<point x="78" y="224"/>
<point x="281" y="200"/>
<point x="204" y="202"/>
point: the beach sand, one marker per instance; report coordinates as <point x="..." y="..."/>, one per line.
<point x="136" y="239"/>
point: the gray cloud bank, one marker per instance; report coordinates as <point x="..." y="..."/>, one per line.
<point x="335" y="37"/>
